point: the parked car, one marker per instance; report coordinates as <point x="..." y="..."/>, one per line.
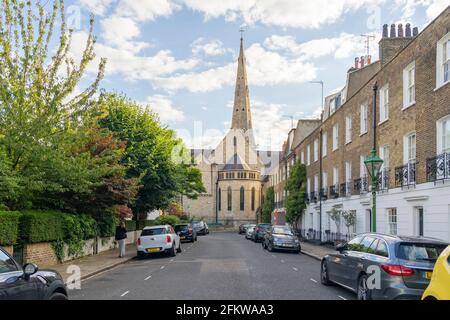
<point x="243" y="228"/>
<point x="260" y="231"/>
<point x="200" y="227"/>
<point x="249" y="231"/>
<point x="439" y="288"/>
<point x="158" y="239"/>
<point x="186" y="232"/>
<point x="28" y="282"/>
<point x="405" y="265"/>
<point x="281" y="238"/>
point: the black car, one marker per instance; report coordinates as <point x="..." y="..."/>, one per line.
<point x="281" y="238"/>
<point x="186" y="232"/>
<point x="260" y="231"/>
<point x="200" y="227"/>
<point x="28" y="282"/>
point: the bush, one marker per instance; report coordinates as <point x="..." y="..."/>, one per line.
<point x="107" y="224"/>
<point x="172" y="220"/>
<point x="76" y="229"/>
<point x="130" y="225"/>
<point x="41" y="226"/>
<point x="141" y="224"/>
<point x="9" y="227"/>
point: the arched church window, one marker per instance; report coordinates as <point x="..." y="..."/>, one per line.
<point x="253" y="198"/>
<point x="229" y="199"/>
<point x="219" y="199"/>
<point x="235" y="141"/>
<point x="242" y="202"/>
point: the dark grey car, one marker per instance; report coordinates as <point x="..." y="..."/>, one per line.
<point x="377" y="266"/>
<point x="281" y="238"/>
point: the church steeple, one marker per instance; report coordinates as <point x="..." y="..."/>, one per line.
<point x="242" y="116"/>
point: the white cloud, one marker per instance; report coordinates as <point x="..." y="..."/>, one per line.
<point x="284" y="13"/>
<point x="208" y="48"/>
<point x="98" y="7"/>
<point x="409" y="7"/>
<point x="163" y="106"/>
<point x="119" y="32"/>
<point x="146" y="10"/>
<point x="263" y="68"/>
<point x="436" y="7"/>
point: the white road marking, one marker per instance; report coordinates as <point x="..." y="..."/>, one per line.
<point x="273" y="256"/>
<point x="282" y="261"/>
<point x="147" y="278"/>
<point x="162" y="267"/>
<point x="125" y="293"/>
<point x="342" y="297"/>
<point x="171" y="260"/>
<point x="294" y="268"/>
<point x="315" y="281"/>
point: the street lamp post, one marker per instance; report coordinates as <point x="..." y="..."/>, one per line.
<point x="374" y="162"/>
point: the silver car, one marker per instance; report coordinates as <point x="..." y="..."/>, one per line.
<point x="377" y="266"/>
<point x="249" y="231"/>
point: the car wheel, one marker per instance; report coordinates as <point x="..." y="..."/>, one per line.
<point x="363" y="292"/>
<point x="324" y="277"/>
<point x="179" y="248"/>
<point x="58" y="296"/>
<point x="172" y="251"/>
<point x="264" y="245"/>
<point x="270" y="247"/>
<point x="140" y="255"/>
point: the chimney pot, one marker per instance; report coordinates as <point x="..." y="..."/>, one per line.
<point x="408" y="30"/>
<point x="369" y="59"/>
<point x="400" y="31"/>
<point x="357" y="63"/>
<point x="415" y="31"/>
<point x="362" y="62"/>
<point x="393" y="35"/>
<point x="385" y="31"/>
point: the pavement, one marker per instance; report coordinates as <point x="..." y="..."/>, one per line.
<point x="315" y="251"/>
<point x="219" y="266"/>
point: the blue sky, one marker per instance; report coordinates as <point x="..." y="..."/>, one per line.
<point x="179" y="56"/>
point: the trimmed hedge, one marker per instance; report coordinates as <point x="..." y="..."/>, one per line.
<point x="145" y="223"/>
<point x="130" y="225"/>
<point x="172" y="220"/>
<point x="9" y="227"/>
<point x="42" y="226"/>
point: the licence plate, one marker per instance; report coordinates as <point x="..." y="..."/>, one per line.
<point x="286" y="245"/>
<point x="182" y="238"/>
<point x="428" y="275"/>
<point x="153" y="250"/>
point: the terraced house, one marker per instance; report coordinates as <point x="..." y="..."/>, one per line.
<point x="411" y="84"/>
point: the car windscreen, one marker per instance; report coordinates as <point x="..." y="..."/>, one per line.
<point x="419" y="252"/>
<point x="282" y="230"/>
<point x="153" y="232"/>
<point x="182" y="228"/>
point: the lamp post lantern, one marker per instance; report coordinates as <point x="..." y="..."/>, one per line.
<point x="374" y="162"/>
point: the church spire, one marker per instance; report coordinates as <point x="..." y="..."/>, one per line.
<point x="242" y="117"/>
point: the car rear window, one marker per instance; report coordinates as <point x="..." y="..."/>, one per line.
<point x="153" y="232"/>
<point x="181" y="228"/>
<point x="419" y="251"/>
<point x="282" y="230"/>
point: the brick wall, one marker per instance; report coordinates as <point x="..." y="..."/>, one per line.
<point x="8" y="249"/>
<point x="41" y="254"/>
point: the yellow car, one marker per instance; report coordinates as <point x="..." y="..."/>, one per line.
<point x="439" y="288"/>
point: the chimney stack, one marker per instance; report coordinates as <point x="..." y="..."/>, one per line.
<point x="408" y="30"/>
<point x="400" y="31"/>
<point x="393" y="35"/>
<point x="362" y="62"/>
<point x="356" y="63"/>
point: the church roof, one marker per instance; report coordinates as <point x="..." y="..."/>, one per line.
<point x="236" y="163"/>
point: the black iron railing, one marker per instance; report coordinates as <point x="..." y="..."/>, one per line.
<point x="346" y="189"/>
<point x="438" y="168"/>
<point x="361" y="185"/>
<point x="313" y="197"/>
<point x="383" y="180"/>
<point x="324" y="194"/>
<point x="405" y="176"/>
<point x="334" y="192"/>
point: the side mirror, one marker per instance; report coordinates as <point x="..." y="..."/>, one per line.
<point x="340" y="247"/>
<point x="29" y="269"/>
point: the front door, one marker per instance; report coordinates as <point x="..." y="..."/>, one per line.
<point x="419" y="223"/>
<point x="368" y="220"/>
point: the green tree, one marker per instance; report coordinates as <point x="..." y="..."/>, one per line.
<point x="296" y="187"/>
<point x="269" y="205"/>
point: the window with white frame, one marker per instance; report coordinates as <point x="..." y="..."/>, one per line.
<point x="308" y="186"/>
<point x="443" y="61"/>
<point x="302" y="157"/>
<point x="324" y="145"/>
<point x="348" y="171"/>
<point x="316" y="150"/>
<point x="324" y="180"/>
<point x="335" y="176"/>
<point x="362" y="166"/>
<point x="308" y="155"/>
<point x="443" y="135"/>
<point x="392" y="220"/>
<point x="316" y="183"/>
<point x="335" y="137"/>
<point x="348" y="130"/>
<point x="384" y="103"/>
<point x="409" y="85"/>
<point x="364" y="114"/>
<point x="384" y="154"/>
<point x="409" y="152"/>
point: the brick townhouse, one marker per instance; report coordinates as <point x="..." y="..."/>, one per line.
<point x="411" y="81"/>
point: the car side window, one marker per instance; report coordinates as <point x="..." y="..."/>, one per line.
<point x="373" y="247"/>
<point x="365" y="244"/>
<point x="354" y="244"/>
<point x="382" y="249"/>
<point x="6" y="263"/>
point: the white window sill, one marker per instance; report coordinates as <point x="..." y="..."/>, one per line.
<point x="441" y="85"/>
<point x="348" y="142"/>
<point x="409" y="106"/>
<point x="363" y="133"/>
<point x="383" y="121"/>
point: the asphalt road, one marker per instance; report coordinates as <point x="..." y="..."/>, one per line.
<point x="218" y="266"/>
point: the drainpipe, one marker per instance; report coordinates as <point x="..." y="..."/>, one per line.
<point x="320" y="181"/>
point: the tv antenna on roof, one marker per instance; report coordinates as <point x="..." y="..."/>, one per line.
<point x="367" y="41"/>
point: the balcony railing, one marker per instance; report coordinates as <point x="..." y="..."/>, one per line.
<point x="405" y="176"/>
<point x="361" y="185"/>
<point x="324" y="194"/>
<point x="438" y="168"/>
<point x="346" y="189"/>
<point x="279" y="204"/>
<point x="313" y="197"/>
<point x="334" y="192"/>
<point x="383" y="180"/>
